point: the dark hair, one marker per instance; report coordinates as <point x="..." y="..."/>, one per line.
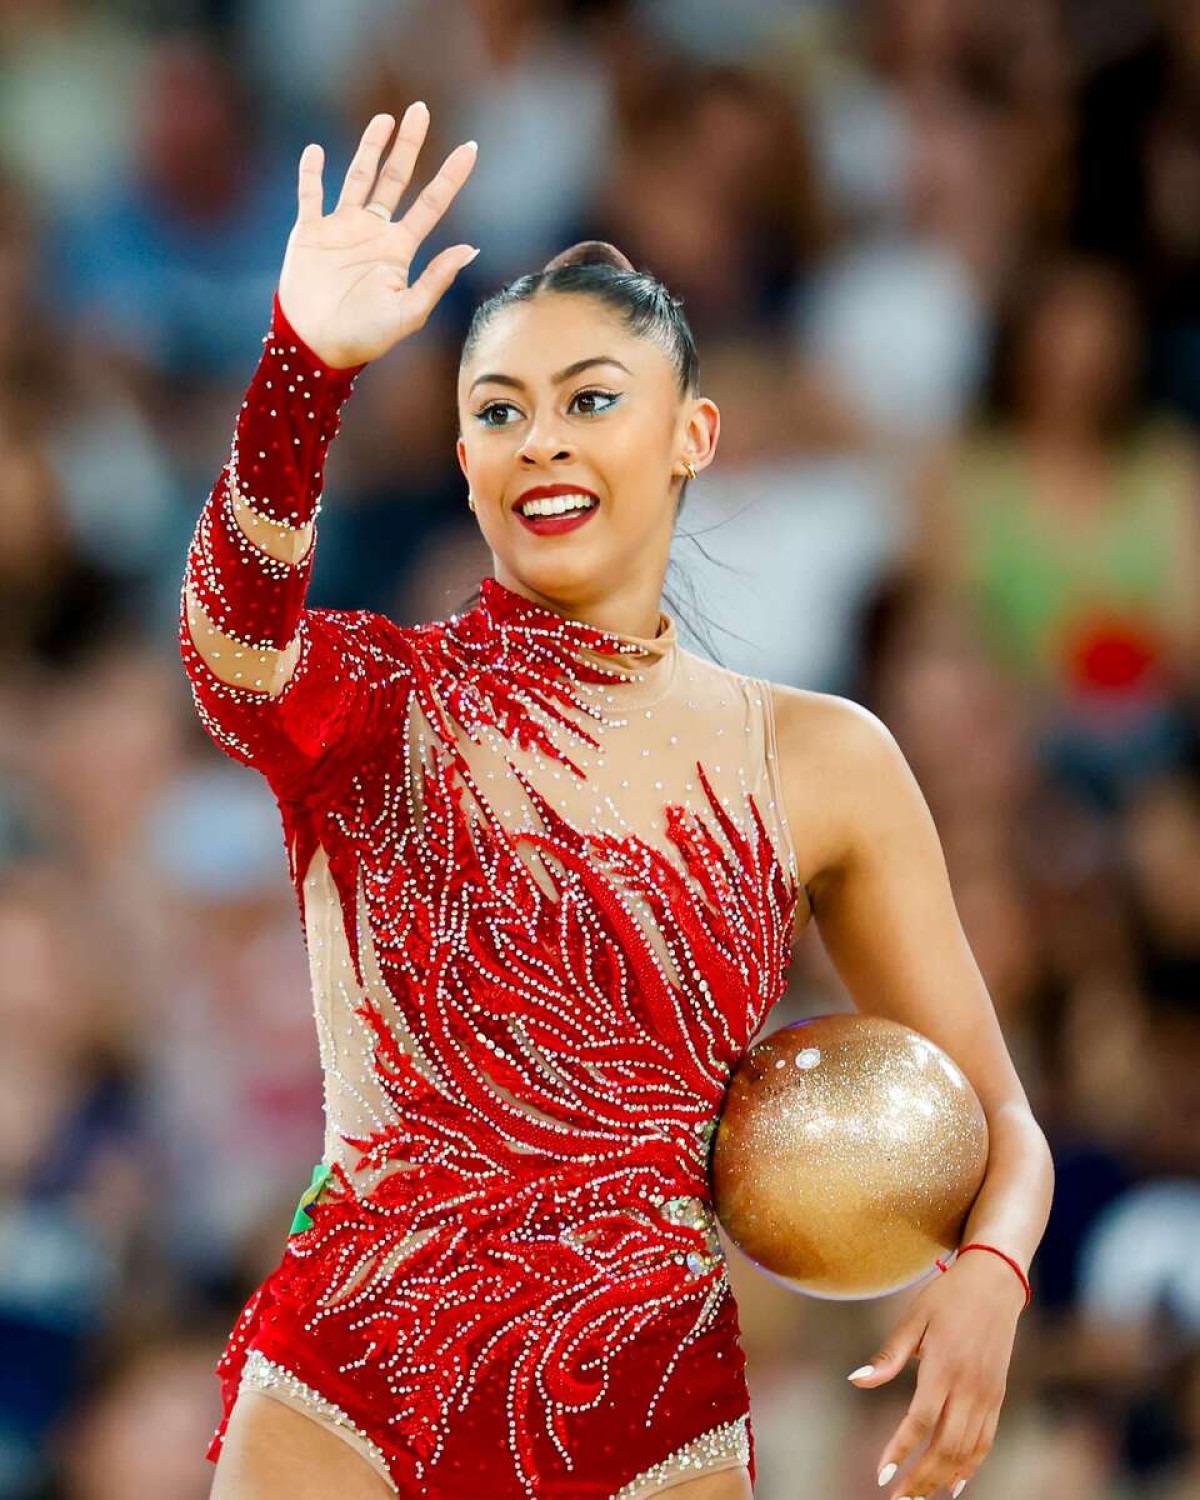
<point x="594" y="268"/>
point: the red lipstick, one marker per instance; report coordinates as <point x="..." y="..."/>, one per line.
<point x="552" y="525"/>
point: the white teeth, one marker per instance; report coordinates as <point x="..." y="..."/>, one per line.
<point x="556" y="505"/>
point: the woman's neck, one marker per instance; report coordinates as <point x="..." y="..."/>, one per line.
<point x="633" y="611"/>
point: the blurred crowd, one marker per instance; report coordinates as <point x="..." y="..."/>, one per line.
<point x="941" y="258"/>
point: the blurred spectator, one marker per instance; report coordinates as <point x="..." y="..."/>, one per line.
<point x="901" y="332"/>
<point x="67" y="75"/>
<point x="147" y="1417"/>
<point x="730" y="240"/>
<point x="713" y="32"/>
<point x="511" y="74"/>
<point x="307" y="55"/>
<point x="1138" y="173"/>
<point x="70" y="1187"/>
<point x="235" y="1095"/>
<point x="1073" y="527"/>
<point x="775" y="555"/>
<point x="172" y="271"/>
<point x="1161" y="830"/>
<point x="1137" y="1262"/>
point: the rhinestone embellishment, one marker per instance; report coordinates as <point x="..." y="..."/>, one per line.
<point x="262" y="1374"/>
<point x="718" y="1448"/>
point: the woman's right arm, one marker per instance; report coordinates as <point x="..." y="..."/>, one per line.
<point x="244" y="628"/>
<point x="275" y="684"/>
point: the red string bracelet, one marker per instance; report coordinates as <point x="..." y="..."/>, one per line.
<point x="979" y="1245"/>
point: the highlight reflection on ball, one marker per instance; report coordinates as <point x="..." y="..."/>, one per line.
<point x="849" y="1152"/>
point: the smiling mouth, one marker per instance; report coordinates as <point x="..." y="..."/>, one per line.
<point x="557" y="505"/>
<point x="548" y="516"/>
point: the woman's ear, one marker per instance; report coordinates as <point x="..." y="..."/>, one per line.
<point x="701" y="433"/>
<point x="460" y="449"/>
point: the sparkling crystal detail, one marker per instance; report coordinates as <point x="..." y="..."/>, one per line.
<point x="721" y="1447"/>
<point x="262" y="1374"/>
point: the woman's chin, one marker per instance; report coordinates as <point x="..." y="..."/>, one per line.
<point x="563" y="571"/>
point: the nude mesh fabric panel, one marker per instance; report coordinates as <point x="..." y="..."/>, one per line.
<point x="651" y="731"/>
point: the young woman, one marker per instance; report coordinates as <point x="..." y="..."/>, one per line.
<point x="550" y="867"/>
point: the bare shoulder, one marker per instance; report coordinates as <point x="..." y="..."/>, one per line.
<point x="834" y="736"/>
<point x="841" y="773"/>
<point x="823" y="720"/>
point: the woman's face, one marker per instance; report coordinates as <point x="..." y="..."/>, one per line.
<point x="559" y="393"/>
<point x="1079" y="353"/>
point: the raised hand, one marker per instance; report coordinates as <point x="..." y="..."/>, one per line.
<point x="344" y="283"/>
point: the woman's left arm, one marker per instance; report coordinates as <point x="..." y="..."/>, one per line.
<point x="882" y="901"/>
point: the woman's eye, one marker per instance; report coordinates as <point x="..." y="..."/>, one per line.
<point x="608" y="396"/>
<point x="590" y="395"/>
<point x="492" y="406"/>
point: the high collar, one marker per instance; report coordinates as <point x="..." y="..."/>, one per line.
<point x="514" y="613"/>
<point x="512" y="662"/>
<point x="508" y="628"/>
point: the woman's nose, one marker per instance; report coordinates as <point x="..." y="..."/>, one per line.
<point x="532" y="453"/>
<point x="544" y="446"/>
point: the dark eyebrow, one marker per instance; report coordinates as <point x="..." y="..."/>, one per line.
<point x="580" y="364"/>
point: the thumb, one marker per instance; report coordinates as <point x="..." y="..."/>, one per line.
<point x="434" y="282"/>
<point x="893" y="1356"/>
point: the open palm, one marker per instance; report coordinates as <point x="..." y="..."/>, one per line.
<point x="344" y="282"/>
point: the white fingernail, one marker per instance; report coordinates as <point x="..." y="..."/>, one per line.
<point x="958" y="1489"/>
<point x="474" y="145"/>
<point x="887" y="1474"/>
<point x="419" y="104"/>
<point x="861" y="1371"/>
<point x="472" y="255"/>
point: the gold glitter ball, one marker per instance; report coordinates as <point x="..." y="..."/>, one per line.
<point x="849" y="1152"/>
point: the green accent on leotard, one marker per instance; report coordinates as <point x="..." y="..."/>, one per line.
<point x="312" y="1192"/>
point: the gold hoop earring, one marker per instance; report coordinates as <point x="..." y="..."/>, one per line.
<point x="691" y="472"/>
<point x="470" y="501"/>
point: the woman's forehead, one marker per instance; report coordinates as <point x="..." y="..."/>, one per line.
<point x="535" y="339"/>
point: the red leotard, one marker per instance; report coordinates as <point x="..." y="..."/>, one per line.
<point x="547" y="895"/>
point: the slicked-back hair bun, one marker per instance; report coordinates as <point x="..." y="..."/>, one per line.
<point x="590" y="253"/>
<point x="594" y="268"/>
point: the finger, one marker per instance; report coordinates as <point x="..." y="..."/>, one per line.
<point x="398" y="168"/>
<point x="949" y="1450"/>
<point x="360" y="177"/>
<point x="437" y="196"/>
<point x="904" y="1342"/>
<point x="434" y="282"/>
<point x="919" y="1424"/>
<point x="310" y="190"/>
<point x="980" y="1449"/>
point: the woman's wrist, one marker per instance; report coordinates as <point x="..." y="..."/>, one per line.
<point x="282" y="328"/>
<point x="994" y="1253"/>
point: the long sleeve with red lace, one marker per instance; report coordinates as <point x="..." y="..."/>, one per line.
<point x="276" y="685"/>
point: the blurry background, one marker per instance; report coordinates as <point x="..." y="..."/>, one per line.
<point x="941" y="258"/>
